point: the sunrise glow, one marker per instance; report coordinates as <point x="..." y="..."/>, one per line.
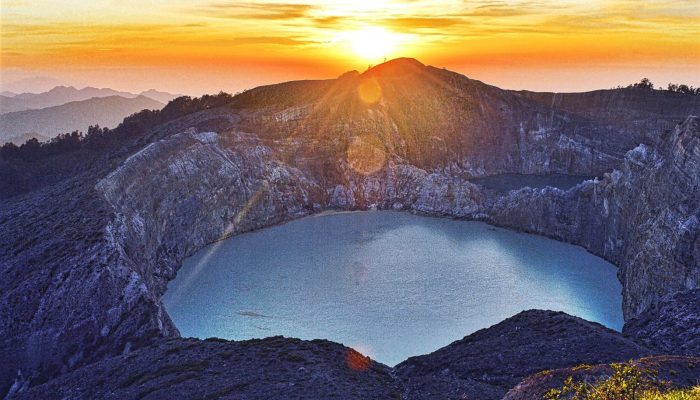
<point x="373" y="43"/>
<point x="210" y="45"/>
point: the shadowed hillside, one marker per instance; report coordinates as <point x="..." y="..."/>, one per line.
<point x="49" y="122"/>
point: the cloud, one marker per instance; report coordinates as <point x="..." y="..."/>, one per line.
<point x="500" y="10"/>
<point x="418" y="22"/>
<point x="510" y="8"/>
<point x="328" y="21"/>
<point x="277" y="40"/>
<point x="266" y="11"/>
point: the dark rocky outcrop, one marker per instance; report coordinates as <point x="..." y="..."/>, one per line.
<point x="85" y="255"/>
<point x="679" y="371"/>
<point x="671" y="326"/>
<point x="271" y="368"/>
<point x="487" y="363"/>
<point x="483" y="365"/>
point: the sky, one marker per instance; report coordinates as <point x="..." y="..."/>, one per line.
<point x="196" y="47"/>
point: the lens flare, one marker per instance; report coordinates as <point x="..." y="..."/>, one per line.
<point x="366" y="154"/>
<point x="356" y="361"/>
<point x="369" y="91"/>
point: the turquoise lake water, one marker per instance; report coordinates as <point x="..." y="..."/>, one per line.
<point x="390" y="284"/>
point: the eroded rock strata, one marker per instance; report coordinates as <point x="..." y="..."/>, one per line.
<point x="88" y="248"/>
<point x="644" y="216"/>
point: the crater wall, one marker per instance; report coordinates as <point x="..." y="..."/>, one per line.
<point x="87" y="257"/>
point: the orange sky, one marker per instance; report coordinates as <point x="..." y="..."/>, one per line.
<point x="205" y="46"/>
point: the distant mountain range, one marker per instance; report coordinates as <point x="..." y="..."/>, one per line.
<point x="34" y="84"/>
<point x="19" y="126"/>
<point x="163" y="97"/>
<point x="10" y="102"/>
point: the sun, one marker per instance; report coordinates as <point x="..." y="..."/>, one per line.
<point x="373" y="43"/>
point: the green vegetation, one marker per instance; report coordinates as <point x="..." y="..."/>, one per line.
<point x="645" y="83"/>
<point x="628" y="382"/>
<point x="103" y="138"/>
<point x="679" y="394"/>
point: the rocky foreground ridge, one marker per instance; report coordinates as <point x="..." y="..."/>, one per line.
<point x="87" y="251"/>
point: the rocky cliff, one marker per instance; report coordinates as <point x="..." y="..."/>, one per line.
<point x="643" y="216"/>
<point x="86" y="257"/>
<point x="642" y="114"/>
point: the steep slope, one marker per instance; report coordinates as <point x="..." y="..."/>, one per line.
<point x="49" y="122"/>
<point x="432" y="118"/>
<point x="87" y="255"/>
<point x="644" y="216"/>
<point x="487" y="363"/>
<point x="641" y="113"/>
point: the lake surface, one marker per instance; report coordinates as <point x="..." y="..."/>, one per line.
<point x="508" y="182"/>
<point x="390" y="284"/>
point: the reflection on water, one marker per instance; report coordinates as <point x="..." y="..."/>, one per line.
<point x="389" y="284"/>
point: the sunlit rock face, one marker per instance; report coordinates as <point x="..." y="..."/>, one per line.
<point x="642" y="216"/>
<point x="283" y="151"/>
<point x="430" y="118"/>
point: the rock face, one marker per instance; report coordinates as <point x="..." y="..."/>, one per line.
<point x="87" y="253"/>
<point x="644" y="115"/>
<point x="671" y="326"/>
<point x="487" y="363"/>
<point x="644" y="216"/>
